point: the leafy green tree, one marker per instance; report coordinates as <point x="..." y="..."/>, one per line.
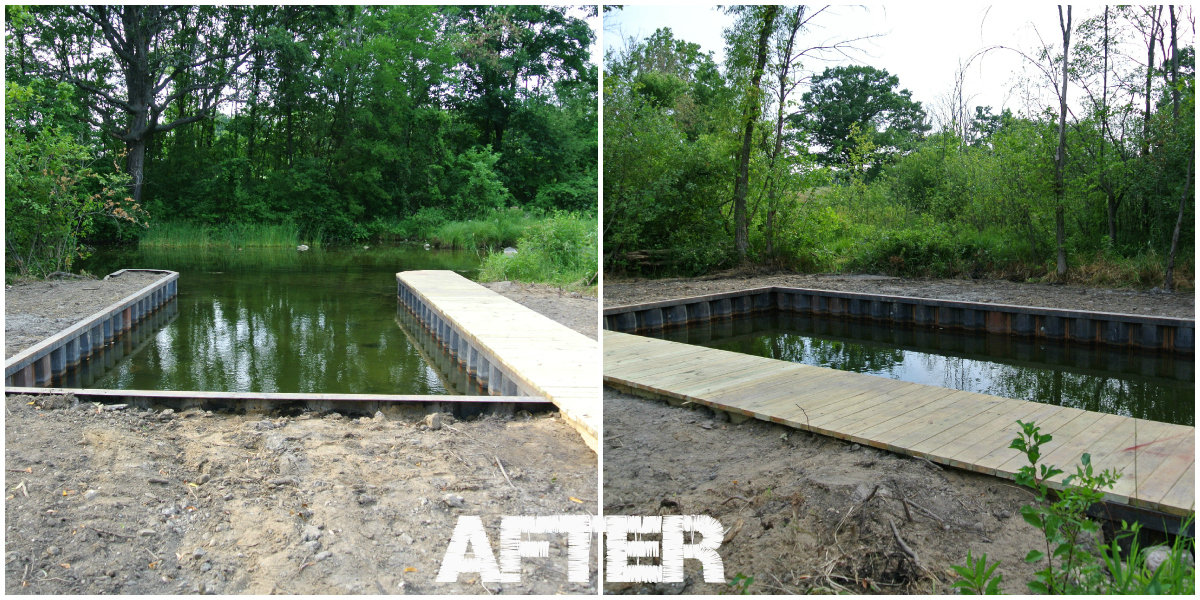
<point x="843" y="97"/>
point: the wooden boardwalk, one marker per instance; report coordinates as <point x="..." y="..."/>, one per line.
<point x="962" y="429"/>
<point x="546" y="357"/>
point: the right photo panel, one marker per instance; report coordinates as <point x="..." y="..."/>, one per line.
<point x="898" y="301"/>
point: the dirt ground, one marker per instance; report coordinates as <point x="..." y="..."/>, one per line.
<point x="149" y="501"/>
<point x="619" y="292"/>
<point x="572" y="309"/>
<point x="36" y="310"/>
<point x="793" y="504"/>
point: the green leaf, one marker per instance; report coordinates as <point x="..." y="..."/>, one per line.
<point x="1034" y="556"/>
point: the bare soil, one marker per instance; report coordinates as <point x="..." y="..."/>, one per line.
<point x="620" y="292"/>
<point x="795" y="505"/>
<point x="36" y="310"/>
<point x="102" y="499"/>
<point x="572" y="309"/>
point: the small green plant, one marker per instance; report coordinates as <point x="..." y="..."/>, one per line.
<point x="1069" y="567"/>
<point x="977" y="576"/>
<point x="740" y="584"/>
<point x="1062" y="521"/>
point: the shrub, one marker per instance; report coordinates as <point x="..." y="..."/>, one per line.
<point x="561" y="250"/>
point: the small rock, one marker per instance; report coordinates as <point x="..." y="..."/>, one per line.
<point x="323" y="555"/>
<point x="379" y="418"/>
<point x="454" y="501"/>
<point x="365" y="499"/>
<point x="302" y="247"/>
<point x="53" y="550"/>
<point x="1004" y="514"/>
<point x="312" y="546"/>
<point x="434" y="421"/>
<point x="167" y="414"/>
<point x="283" y="481"/>
<point x="90" y="495"/>
<point x="203" y="479"/>
<point x="310" y="533"/>
<point x="407" y="539"/>
<point x="706" y="425"/>
<point x="146" y="533"/>
<point x="114" y="407"/>
<point x="157" y="480"/>
<point x="1156" y="557"/>
<point x="204" y="568"/>
<point x="198" y="553"/>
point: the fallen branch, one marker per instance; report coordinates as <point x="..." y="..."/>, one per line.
<point x="924" y="511"/>
<point x="743" y="499"/>
<point x="929" y="462"/>
<point x="501" y="465"/>
<point x="909" y="551"/>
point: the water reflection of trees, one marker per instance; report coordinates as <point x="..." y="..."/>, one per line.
<point x="281" y="326"/>
<point x="1145" y="386"/>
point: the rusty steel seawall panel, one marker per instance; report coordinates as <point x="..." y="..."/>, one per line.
<point x="1153" y="333"/>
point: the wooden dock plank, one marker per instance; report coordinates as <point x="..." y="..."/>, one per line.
<point x="547" y="357"/>
<point x="963" y="429"/>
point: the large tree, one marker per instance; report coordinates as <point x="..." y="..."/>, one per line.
<point x="132" y="62"/>
<point x="843" y="97"/>
<point x="759" y="21"/>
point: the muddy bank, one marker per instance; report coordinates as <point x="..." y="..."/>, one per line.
<point x="619" y="292"/>
<point x="795" y="504"/>
<point x="36" y="310"/>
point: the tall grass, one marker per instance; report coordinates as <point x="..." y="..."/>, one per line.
<point x="233" y="235"/>
<point x="498" y="229"/>
<point x="559" y="250"/>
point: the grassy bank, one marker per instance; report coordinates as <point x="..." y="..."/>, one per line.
<point x="559" y="250"/>
<point x="234" y="235"/>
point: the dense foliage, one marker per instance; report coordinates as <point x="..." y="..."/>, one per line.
<point x="340" y="122"/>
<point x="847" y="172"/>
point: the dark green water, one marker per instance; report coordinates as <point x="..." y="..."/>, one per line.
<point x="1159" y="387"/>
<point x="278" y="320"/>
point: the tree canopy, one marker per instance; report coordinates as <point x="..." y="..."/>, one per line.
<point x="842" y="99"/>
<point x="336" y="118"/>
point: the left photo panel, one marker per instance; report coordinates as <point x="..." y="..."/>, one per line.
<point x="301" y="299"/>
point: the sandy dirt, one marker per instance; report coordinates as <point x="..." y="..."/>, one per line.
<point x="149" y="501"/>
<point x="793" y="504"/>
<point x="572" y="309"/>
<point x="620" y="292"/>
<point x="36" y="310"/>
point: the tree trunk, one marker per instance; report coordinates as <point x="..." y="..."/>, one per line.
<point x="1060" y="157"/>
<point x="742" y="187"/>
<point x="1149" y="80"/>
<point x="1174" y="65"/>
<point x="1169" y="279"/>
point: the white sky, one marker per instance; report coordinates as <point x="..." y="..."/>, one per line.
<point x="922" y="44"/>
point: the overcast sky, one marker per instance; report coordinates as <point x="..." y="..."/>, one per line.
<point x="921" y="45"/>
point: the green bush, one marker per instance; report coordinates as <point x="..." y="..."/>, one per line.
<point x="561" y="250"/>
